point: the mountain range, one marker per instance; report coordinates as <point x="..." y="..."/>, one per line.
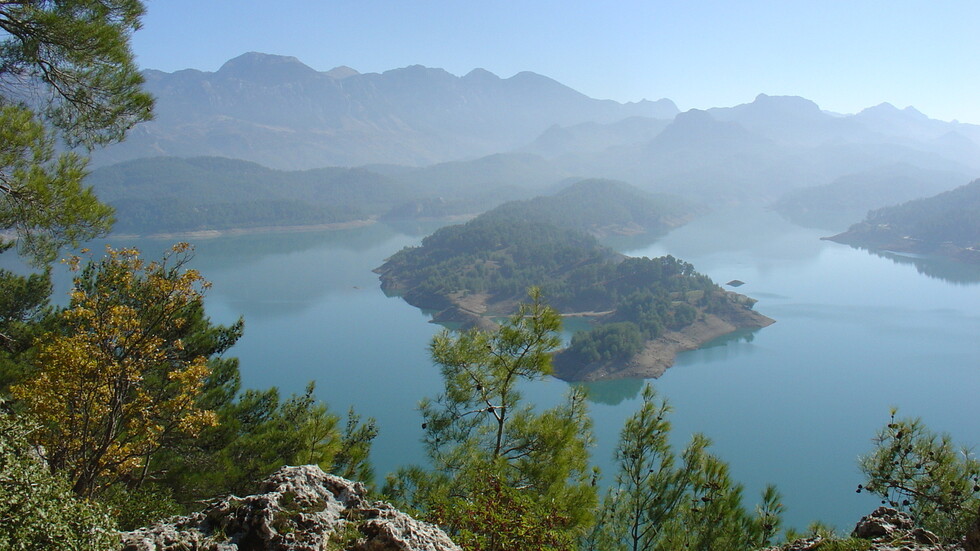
<point x="276" y="111"/>
<point x="425" y="128"/>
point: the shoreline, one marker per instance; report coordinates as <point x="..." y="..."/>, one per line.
<point x="474" y="311"/>
<point x="211" y="234"/>
<point x="905" y="245"/>
<point x="659" y="354"/>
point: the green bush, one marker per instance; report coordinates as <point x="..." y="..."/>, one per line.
<point x="38" y="511"/>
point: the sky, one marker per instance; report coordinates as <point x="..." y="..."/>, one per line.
<point x="844" y="55"/>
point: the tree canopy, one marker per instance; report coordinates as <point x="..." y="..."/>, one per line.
<point x="487" y="447"/>
<point x="917" y="470"/>
<point x="118" y="380"/>
<point x="662" y="501"/>
<point x="66" y="73"/>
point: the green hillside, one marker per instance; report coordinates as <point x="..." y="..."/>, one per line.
<point x="948" y="223"/>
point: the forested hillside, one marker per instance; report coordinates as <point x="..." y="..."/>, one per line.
<point x="948" y="223"/>
<point x="174" y="195"/>
<point x="836" y="205"/>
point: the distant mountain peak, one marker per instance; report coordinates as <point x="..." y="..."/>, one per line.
<point x="882" y="107"/>
<point x="342" y="72"/>
<point x="700" y="129"/>
<point x="418" y="73"/>
<point x="886" y="109"/>
<point x="786" y="103"/>
<point x="531" y="75"/>
<point x="265" y="67"/>
<point x="666" y="105"/>
<point x="914" y="112"/>
<point x="481" y="75"/>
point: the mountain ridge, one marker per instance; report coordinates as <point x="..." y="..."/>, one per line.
<point x="281" y="113"/>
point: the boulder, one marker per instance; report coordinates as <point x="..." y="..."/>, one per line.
<point x="297" y="509"/>
<point x="885" y="529"/>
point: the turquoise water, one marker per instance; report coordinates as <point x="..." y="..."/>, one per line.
<point x="792" y="404"/>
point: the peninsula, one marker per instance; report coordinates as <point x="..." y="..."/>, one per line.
<point x="643" y="311"/>
<point x="943" y="225"/>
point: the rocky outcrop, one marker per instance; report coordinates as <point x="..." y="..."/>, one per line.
<point x="885" y="529"/>
<point x="297" y="509"/>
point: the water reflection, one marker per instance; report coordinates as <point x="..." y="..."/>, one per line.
<point x="419" y="228"/>
<point x="945" y="269"/>
<point x="834" y="221"/>
<point x="612" y="393"/>
<point x="632" y="242"/>
<point x="748" y="233"/>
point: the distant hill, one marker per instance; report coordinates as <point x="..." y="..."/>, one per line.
<point x="760" y="151"/>
<point x="836" y="205"/>
<point x="948" y="224"/>
<point x="603" y="208"/>
<point x="593" y="137"/>
<point x="910" y="123"/>
<point x="174" y="195"/>
<point x="432" y="128"/>
<point x="179" y="195"/>
<point x="276" y="111"/>
<point x="791" y="120"/>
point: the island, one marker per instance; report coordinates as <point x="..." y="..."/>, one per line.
<point x="643" y="311"/>
<point x="947" y="224"/>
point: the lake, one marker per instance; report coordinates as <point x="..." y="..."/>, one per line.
<point x="793" y="404"/>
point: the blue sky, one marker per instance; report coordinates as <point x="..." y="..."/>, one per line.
<point x="844" y="55"/>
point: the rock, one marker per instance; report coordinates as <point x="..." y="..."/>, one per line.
<point x="297" y="509"/>
<point x="885" y="529"/>
<point x="884" y="521"/>
<point x="806" y="544"/>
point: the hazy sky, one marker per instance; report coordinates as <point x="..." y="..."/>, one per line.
<point x="845" y="55"/>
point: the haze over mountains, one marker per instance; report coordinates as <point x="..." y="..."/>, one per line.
<point x="281" y="113"/>
<point x="426" y="129"/>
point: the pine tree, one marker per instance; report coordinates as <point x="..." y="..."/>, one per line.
<point x="479" y="433"/>
<point x="66" y="73"/>
<point x="664" y="502"/>
<point x="917" y="470"/>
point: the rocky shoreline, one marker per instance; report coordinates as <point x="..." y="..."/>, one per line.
<point x="872" y="238"/>
<point x="474" y="310"/>
<point x="659" y="354"/>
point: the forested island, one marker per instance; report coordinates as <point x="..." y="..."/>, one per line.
<point x="946" y="224"/>
<point x="644" y="310"/>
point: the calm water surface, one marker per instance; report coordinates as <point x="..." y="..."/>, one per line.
<point x="793" y="404"/>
